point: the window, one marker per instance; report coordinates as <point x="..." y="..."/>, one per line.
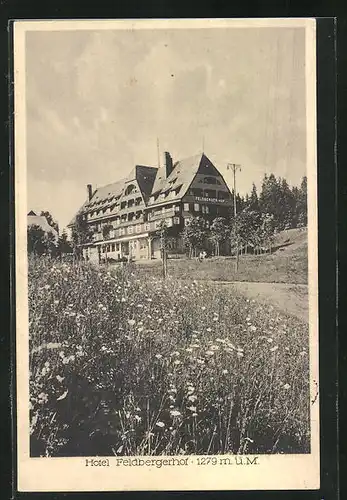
<point x="205" y="209"/>
<point x="147" y="227"/>
<point x="130" y="189"/>
<point x="176" y="220"/>
<point x="186" y="207"/>
<point x="138" y="228"/>
<point x="117" y="247"/>
<point x="222" y="195"/>
<point x="196" y="207"/>
<point x="177" y="208"/>
<point x="130" y="230"/>
<point x="143" y="244"/>
<point x="122" y="231"/>
<point x="112" y="247"/>
<point x="198" y="192"/>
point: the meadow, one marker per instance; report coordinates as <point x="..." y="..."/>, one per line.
<point x="124" y="363"/>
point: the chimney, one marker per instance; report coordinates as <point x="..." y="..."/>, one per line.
<point x="168" y="164"/>
<point x="90" y="191"/>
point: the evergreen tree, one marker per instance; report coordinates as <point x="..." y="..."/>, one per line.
<point x="253" y="199"/>
<point x="302" y="203"/>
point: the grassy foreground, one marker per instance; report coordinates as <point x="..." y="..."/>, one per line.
<point x="130" y="366"/>
<point x="275" y="268"/>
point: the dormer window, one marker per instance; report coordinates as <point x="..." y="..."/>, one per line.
<point x="130" y="189"/>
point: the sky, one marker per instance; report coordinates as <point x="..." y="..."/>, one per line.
<point x="96" y="102"/>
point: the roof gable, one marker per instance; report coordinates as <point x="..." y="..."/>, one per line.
<point x="181" y="177"/>
<point x="41" y="221"/>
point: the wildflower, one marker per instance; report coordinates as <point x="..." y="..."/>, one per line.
<point x="160" y="424"/>
<point x="208" y="329"/>
<point x="286" y="386"/>
<point x="203" y="308"/>
<point x="253" y="328"/>
<point x="302" y="353"/>
<point x="210" y="353"/>
<point x="214" y="347"/>
<point x="192" y="398"/>
<point x="194" y="414"/>
<point x="175" y="413"/>
<point x="175" y="353"/>
<point x="131" y="322"/>
<point x="225" y="372"/>
<point x="191" y="388"/>
<point x="56" y="302"/>
<point x="192" y="408"/>
<point x="63" y="396"/>
<point x="46" y="287"/>
<point x="189" y="349"/>
<point x="158" y="356"/>
<point x="177" y="362"/>
<point x="59" y="378"/>
<point x="240" y="354"/>
<point x="200" y="361"/>
<point x="273" y="349"/>
<point x="270" y="340"/>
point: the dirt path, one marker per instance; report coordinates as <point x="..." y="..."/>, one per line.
<point x="289" y="298"/>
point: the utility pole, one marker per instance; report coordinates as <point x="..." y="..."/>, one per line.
<point x="234" y="167"/>
<point x="163" y="248"/>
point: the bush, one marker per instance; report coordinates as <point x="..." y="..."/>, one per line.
<point x="120" y="365"/>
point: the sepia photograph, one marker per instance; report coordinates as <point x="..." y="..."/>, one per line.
<point x="166" y="253"/>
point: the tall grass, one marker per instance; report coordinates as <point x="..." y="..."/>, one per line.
<point x="129" y="366"/>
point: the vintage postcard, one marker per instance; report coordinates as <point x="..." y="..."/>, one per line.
<point x="166" y="255"/>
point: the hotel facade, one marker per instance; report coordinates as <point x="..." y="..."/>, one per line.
<point x="135" y="207"/>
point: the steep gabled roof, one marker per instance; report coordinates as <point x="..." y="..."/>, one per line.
<point x="41" y="221"/>
<point x="106" y="196"/>
<point x="182" y="175"/>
